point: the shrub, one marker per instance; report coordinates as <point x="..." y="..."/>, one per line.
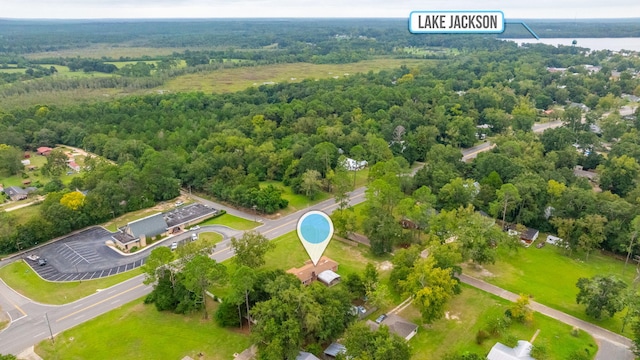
<point x="539" y="352"/>
<point x="481" y="336"/>
<point x="575" y="332"/>
<point x="133" y="249"/>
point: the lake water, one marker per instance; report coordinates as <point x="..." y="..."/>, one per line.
<point x="613" y="44"/>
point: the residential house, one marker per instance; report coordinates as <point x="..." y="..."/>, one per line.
<point x="73" y="166"/>
<point x="309" y="273"/>
<point x="16" y="193"/>
<point x="522" y="351"/>
<point x="527" y="237"/>
<point x="353" y="165"/>
<point x="306" y="356"/>
<point x="334" y="349"/>
<point x="397" y="325"/>
<point x="44" y="151"/>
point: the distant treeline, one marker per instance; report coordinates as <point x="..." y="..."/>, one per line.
<point x="378" y="35"/>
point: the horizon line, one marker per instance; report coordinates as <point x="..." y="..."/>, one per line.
<point x="283" y="18"/>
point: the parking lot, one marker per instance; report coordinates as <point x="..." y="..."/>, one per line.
<point x="83" y="256"/>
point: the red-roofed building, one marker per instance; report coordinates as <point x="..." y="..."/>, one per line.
<point x="44" y="151"/>
<point x="309" y="273"/>
<point x="75" y="167"/>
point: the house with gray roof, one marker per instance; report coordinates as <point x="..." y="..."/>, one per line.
<point x="306" y="356"/>
<point x="16" y="193"/>
<point x="397" y="325"/>
<point x="334" y="349"/>
<point x="522" y="351"/>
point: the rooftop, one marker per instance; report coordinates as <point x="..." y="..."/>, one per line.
<point x="187" y="213"/>
<point x="309" y="271"/>
<point x="148" y="226"/>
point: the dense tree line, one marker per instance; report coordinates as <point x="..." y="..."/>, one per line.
<point x="226" y="144"/>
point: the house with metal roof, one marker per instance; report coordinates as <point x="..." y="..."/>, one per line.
<point x="522" y="351"/>
<point x="334" y="349"/>
<point x="303" y="355"/>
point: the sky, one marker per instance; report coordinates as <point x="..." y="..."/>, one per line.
<point x="513" y="9"/>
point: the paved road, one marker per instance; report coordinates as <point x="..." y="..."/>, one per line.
<point x="612" y="345"/>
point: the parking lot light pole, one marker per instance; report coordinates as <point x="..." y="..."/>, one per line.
<point x="76" y="265"/>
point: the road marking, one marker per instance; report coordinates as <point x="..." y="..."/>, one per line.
<point x="98" y="303"/>
<point x="70" y="248"/>
<point x="296" y="220"/>
<point x="39" y="334"/>
<point x="115" y="301"/>
<point x="16" y="306"/>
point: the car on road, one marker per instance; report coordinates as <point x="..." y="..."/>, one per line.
<point x="194" y="236"/>
<point x="197" y="227"/>
<point x="42" y="261"/>
<point x="174" y="245"/>
<point x="381" y="318"/>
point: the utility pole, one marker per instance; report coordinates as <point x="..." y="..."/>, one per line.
<point x="46" y="316"/>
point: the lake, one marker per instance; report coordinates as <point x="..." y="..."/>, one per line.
<point x="613" y="44"/>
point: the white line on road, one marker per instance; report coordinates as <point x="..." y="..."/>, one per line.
<point x="39" y="334"/>
<point x="115" y="301"/>
<point x="78" y="317"/>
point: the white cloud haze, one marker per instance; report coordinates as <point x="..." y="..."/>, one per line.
<point x="92" y="9"/>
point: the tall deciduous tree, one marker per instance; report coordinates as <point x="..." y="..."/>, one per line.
<point x="10" y="160"/>
<point x="200" y="273"/>
<point x="56" y="163"/>
<point x="592" y="232"/>
<point x="524" y="116"/>
<point x="431" y="287"/>
<point x="363" y="343"/>
<point x="251" y="248"/>
<point x="602" y="295"/>
<point x="311" y="183"/>
<point x="507" y="198"/>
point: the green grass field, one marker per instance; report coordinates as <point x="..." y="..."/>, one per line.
<point x="35" y="176"/>
<point x="471" y="310"/>
<point x="232" y="222"/>
<point x="235" y="79"/>
<point x="296" y="201"/>
<point x="550" y="277"/>
<point x="20" y="277"/>
<point x="142" y="332"/>
<point x="209" y="235"/>
<point x="24" y="214"/>
<point x="97" y="51"/>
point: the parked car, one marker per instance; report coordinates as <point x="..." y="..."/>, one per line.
<point x="381" y="318"/>
<point x="174" y="245"/>
<point x="197" y="227"/>
<point x="42" y="262"/>
<point x="194" y="236"/>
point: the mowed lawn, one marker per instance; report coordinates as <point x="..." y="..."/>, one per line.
<point x="296" y="201"/>
<point x="231" y="221"/>
<point x="550" y="277"/>
<point x="471" y="311"/>
<point x="20" y="277"/>
<point x="235" y="79"/>
<point x="138" y="331"/>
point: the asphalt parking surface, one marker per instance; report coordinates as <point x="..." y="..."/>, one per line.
<point x="84" y="255"/>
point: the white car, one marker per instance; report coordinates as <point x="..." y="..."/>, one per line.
<point x="174" y="245"/>
<point x="197" y="227"/>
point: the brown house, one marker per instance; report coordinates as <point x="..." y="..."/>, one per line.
<point x="309" y="273"/>
<point x="44" y="150"/>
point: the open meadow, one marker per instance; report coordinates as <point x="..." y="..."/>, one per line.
<point x="550" y="277"/>
<point x="235" y="79"/>
<point x="140" y="330"/>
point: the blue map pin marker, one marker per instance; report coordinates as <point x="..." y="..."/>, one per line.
<point x="315" y="230"/>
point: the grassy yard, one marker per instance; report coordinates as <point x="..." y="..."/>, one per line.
<point x="24" y="214"/>
<point x="235" y="79"/>
<point x="296" y="201"/>
<point x="145" y="333"/>
<point x="550" y="277"/>
<point x="232" y="221"/>
<point x="24" y="280"/>
<point x="212" y="236"/>
<point x="471" y="310"/>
